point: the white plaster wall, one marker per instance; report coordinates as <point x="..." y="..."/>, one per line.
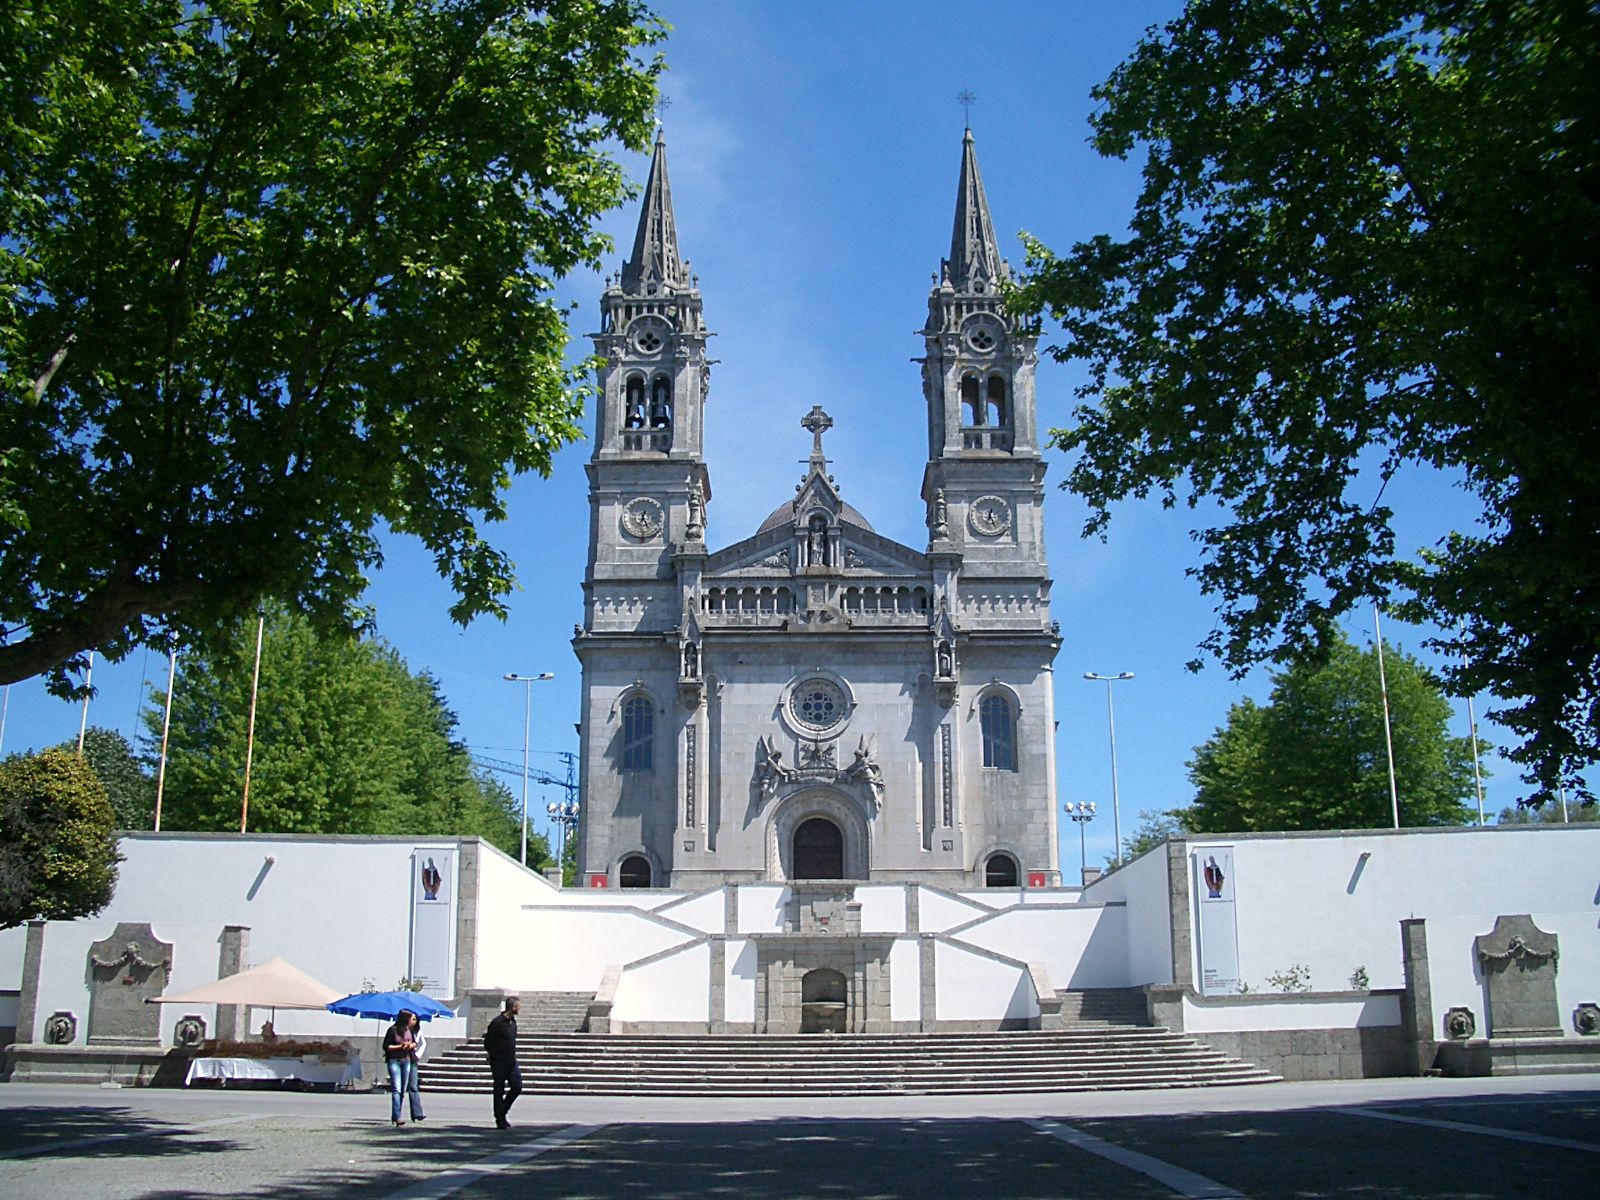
<point x="503" y="932"/>
<point x="739" y="1002"/>
<point x="938" y="911"/>
<point x="991" y="898"/>
<point x="883" y="908"/>
<point x="905" y="980"/>
<point x="972" y="987"/>
<point x="337" y="909"/>
<point x="1236" y="1016"/>
<point x="647" y="899"/>
<point x="569" y="948"/>
<point x="1081" y="947"/>
<point x="1142" y="886"/>
<point x="673" y="988"/>
<point x="1302" y="900"/>
<point x="761" y="907"/>
<point x="706" y="911"/>
<point x="1456" y="979"/>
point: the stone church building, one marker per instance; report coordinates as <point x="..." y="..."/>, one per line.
<point x="815" y="700"/>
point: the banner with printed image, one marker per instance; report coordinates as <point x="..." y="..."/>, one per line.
<point x="1211" y="868"/>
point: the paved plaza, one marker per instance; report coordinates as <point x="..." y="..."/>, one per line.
<point x="1375" y="1139"/>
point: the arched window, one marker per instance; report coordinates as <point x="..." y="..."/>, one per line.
<point x="999" y="872"/>
<point x="634" y="872"/>
<point x="971" y="404"/>
<point x="999" y="727"/>
<point x="997" y="400"/>
<point x="661" y="403"/>
<point x="638" y="734"/>
<point x="633" y="411"/>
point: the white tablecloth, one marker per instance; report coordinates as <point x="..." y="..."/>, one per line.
<point x="338" y="1073"/>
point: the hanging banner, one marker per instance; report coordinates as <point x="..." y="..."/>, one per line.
<point x="433" y="920"/>
<point x="1211" y="868"/>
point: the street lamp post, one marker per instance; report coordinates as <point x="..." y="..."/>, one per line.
<point x="1111" y="722"/>
<point x="527" y="730"/>
<point x="564" y="813"/>
<point x="1081" y="812"/>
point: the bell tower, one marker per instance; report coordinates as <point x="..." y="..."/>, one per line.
<point x="985" y="476"/>
<point x="648" y="485"/>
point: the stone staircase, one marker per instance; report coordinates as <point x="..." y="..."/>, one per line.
<point x="1107" y="1057"/>
<point x="1103" y="1006"/>
<point x="554" y="1012"/>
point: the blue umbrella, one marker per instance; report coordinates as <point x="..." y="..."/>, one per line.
<point x="388" y="1005"/>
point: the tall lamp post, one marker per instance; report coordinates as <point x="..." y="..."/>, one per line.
<point x="1111" y="721"/>
<point x="565" y="815"/>
<point x="1081" y="812"/>
<point x="527" y="729"/>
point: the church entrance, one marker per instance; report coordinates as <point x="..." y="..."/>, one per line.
<point x="818" y="850"/>
<point x="822" y="1001"/>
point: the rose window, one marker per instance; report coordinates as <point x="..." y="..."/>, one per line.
<point x="817" y="704"/>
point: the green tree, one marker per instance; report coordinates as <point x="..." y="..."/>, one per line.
<point x="1154" y="828"/>
<point x="1313" y="756"/>
<point x="129" y="787"/>
<point x="347" y="740"/>
<point x="1367" y="239"/>
<point x="275" y="276"/>
<point x="58" y="859"/>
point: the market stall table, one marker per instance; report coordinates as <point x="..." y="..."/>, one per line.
<point x="309" y="1069"/>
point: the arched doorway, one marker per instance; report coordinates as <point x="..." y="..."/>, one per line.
<point x="818" y="850"/>
<point x="1000" y="871"/>
<point x="634" y="872"/>
<point x="823" y="1001"/>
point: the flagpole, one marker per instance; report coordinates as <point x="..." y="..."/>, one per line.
<point x="250" y="736"/>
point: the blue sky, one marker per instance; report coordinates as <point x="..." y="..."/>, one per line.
<point x="813" y="152"/>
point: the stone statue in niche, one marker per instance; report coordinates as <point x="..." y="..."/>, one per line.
<point x="771" y="774"/>
<point x="126" y="969"/>
<point x="939" y="515"/>
<point x="691" y="661"/>
<point x="817" y="542"/>
<point x="945" y="657"/>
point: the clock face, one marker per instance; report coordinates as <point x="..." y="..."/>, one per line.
<point x="989" y="516"/>
<point x="641" y="518"/>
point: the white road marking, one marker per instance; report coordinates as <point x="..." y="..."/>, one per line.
<point x="449" y="1182"/>
<point x="1513" y="1135"/>
<point x="1185" y="1183"/>
<point x="135" y="1134"/>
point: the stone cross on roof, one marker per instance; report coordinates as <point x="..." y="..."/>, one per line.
<point x="818" y="422"/>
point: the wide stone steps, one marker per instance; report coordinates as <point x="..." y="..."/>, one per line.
<point x="554" y="1012"/>
<point x="1115" y="1057"/>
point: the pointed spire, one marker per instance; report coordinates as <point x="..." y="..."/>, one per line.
<point x="975" y="263"/>
<point x="655" y="256"/>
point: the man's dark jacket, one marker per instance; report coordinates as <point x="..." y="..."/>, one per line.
<point x="500" y="1040"/>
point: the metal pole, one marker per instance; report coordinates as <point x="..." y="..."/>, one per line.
<point x="1111" y="721"/>
<point x="83" y="723"/>
<point x="5" y="706"/>
<point x="1561" y="789"/>
<point x="1388" y="735"/>
<point x="527" y="732"/>
<point x="166" y="728"/>
<point x="1477" y="772"/>
<point x="250" y="736"/>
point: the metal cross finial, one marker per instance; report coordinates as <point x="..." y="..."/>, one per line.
<point x="662" y="104"/>
<point x="818" y="422"/>
<point x="966" y="100"/>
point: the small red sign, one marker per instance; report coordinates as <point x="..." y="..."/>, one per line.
<point x="1038" y="879"/>
<point x="599" y="881"/>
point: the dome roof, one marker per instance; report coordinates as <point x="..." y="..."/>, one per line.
<point x="784" y="515"/>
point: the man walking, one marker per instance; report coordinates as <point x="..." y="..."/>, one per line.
<point x="500" y="1041"/>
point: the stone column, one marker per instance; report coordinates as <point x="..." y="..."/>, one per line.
<point x="1178" y="913"/>
<point x="1416" y="1006"/>
<point x="717" y="1019"/>
<point x="234" y="948"/>
<point x="468" y="858"/>
<point x="930" y="985"/>
<point x="28" y="1002"/>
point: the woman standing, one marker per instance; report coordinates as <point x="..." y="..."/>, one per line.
<point x="419" y="1047"/>
<point x="399" y="1047"/>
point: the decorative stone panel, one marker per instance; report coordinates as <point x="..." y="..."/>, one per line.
<point x="60" y="1028"/>
<point x="1460" y="1024"/>
<point x="1519" y="962"/>
<point x="126" y="969"/>
<point x="190" y="1031"/>
<point x="1586" y="1019"/>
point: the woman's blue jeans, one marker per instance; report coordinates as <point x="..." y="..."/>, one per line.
<point x="403" y="1082"/>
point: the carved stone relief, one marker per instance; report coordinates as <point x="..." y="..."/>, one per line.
<point x="1519" y="963"/>
<point x="126" y="969"/>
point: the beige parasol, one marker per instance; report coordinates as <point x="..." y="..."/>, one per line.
<point x="274" y="984"/>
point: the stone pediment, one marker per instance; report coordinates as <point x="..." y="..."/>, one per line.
<point x="773" y="551"/>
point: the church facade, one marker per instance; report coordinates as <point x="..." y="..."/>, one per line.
<point x="815" y="700"/>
